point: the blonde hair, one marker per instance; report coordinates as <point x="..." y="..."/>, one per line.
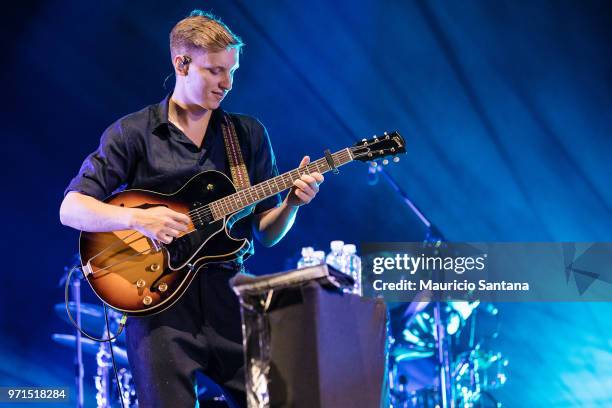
<point x="202" y="31"/>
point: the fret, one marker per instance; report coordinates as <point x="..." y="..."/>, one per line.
<point x="232" y="204"/>
<point x="244" y="198"/>
<point x="297" y="171"/>
<point x="212" y="209"/>
<point x="245" y="195"/>
<point x="269" y="185"/>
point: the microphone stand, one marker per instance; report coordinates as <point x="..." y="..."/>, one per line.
<point x="433" y="235"/>
<point x="79" y="367"/>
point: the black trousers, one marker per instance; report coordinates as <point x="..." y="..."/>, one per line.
<point x="202" y="331"/>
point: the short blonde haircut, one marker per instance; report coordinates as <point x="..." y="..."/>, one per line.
<point x="204" y="32"/>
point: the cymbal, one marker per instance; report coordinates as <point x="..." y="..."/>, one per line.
<point x="401" y="352"/>
<point x="89" y="346"/>
<point x="92" y="319"/>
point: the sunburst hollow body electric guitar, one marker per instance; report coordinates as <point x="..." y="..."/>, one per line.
<point x="139" y="276"/>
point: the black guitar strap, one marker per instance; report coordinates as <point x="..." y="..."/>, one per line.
<point x="238" y="170"/>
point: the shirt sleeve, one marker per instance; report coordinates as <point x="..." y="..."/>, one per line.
<point x="265" y="168"/>
<point x="107" y="168"/>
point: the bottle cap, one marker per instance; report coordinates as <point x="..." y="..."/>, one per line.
<point x="349" y="249"/>
<point x="336" y="246"/>
<point x="307" y="251"/>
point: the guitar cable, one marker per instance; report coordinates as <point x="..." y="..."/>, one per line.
<point x="113" y="354"/>
<point x="108" y="338"/>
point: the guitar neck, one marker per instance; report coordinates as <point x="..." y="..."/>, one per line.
<point x="249" y="196"/>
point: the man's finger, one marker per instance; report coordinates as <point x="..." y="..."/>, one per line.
<point x="301" y="185"/>
<point x="318" y="176"/>
<point x="305" y="161"/>
<point x="308" y="179"/>
<point x="180" y="217"/>
<point x="303" y="196"/>
<point x="171" y="232"/>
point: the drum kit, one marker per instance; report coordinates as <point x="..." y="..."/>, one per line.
<point x="438" y="358"/>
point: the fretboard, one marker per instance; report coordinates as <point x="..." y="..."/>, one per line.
<point x="249" y="196"/>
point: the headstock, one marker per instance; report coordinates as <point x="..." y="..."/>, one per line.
<point x="389" y="144"/>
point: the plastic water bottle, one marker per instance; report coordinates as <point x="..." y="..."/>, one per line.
<point x="307" y="259"/>
<point x="351" y="265"/>
<point x="319" y="257"/>
<point x="334" y="258"/>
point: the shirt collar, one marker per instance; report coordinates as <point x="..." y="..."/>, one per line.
<point x="160" y="114"/>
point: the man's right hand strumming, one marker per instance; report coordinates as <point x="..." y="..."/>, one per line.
<point x="159" y="223"/>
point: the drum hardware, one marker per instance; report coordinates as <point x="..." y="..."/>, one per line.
<point x="416" y="374"/>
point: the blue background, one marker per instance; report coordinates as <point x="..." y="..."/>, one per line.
<point x="506" y="107"/>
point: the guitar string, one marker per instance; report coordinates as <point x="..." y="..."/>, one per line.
<point x="96" y="272"/>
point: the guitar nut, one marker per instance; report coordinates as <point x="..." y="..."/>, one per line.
<point x="163" y="287"/>
<point x="147" y="300"/>
<point x="140" y="283"/>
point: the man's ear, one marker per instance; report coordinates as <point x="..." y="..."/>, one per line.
<point x="181" y="64"/>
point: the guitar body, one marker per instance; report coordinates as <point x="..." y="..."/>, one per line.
<point x="137" y="276"/>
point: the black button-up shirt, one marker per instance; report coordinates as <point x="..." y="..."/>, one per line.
<point x="144" y="150"/>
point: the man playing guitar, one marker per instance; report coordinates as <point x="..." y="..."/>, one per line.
<point x="160" y="148"/>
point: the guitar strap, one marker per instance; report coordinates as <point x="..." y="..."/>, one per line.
<point x="238" y="170"/>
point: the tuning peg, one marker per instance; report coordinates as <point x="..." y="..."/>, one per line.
<point x="372" y="164"/>
<point x="395" y="159"/>
<point x="385" y="133"/>
<point x="385" y="162"/>
<point x="364" y="140"/>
